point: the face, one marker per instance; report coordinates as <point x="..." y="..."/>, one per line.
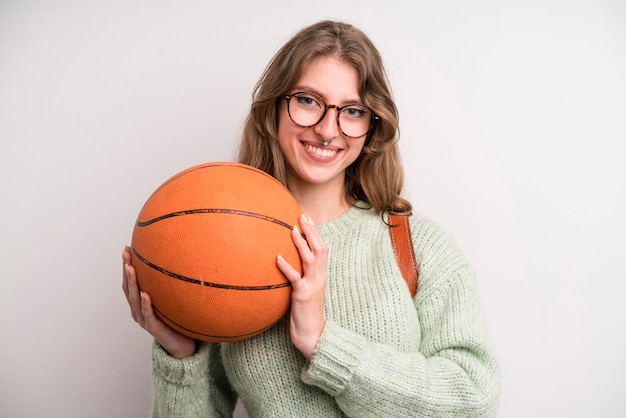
<point x="312" y="163"/>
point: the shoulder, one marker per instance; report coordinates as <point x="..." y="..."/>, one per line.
<point x="437" y="253"/>
<point x="430" y="237"/>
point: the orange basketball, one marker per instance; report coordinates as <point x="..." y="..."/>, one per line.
<point x="204" y="248"/>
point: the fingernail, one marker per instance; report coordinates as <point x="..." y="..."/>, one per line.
<point x="295" y="228"/>
<point x="307" y="219"/>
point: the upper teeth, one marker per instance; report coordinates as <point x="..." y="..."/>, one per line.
<point x="321" y="152"/>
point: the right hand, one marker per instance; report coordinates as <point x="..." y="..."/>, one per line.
<point x="176" y="344"/>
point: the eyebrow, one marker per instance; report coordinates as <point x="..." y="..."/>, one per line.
<point x="307" y="89"/>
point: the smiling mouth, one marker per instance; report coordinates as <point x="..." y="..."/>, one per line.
<point x="324" y="153"/>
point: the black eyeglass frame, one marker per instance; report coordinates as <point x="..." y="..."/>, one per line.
<point x="375" y="117"/>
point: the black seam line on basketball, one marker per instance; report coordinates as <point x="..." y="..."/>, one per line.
<point x="210" y="335"/>
<point x="203" y="283"/>
<point x="214" y="210"/>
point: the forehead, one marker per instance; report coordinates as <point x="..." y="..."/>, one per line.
<point x="331" y="78"/>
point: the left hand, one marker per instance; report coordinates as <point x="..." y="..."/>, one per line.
<point x="307" y="294"/>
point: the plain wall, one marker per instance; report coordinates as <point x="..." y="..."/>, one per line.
<point x="512" y="130"/>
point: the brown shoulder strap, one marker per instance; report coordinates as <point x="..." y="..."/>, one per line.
<point x="400" y="231"/>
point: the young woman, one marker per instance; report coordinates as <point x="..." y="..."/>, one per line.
<point x="355" y="343"/>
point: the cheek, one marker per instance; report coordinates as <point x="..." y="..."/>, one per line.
<point x="283" y="125"/>
<point x="356" y="147"/>
<point x="288" y="132"/>
<point x="283" y="121"/>
<point x="283" y="133"/>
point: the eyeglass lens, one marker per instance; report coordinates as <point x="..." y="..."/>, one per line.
<point x="306" y="110"/>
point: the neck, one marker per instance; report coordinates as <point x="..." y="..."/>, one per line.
<point x="320" y="202"/>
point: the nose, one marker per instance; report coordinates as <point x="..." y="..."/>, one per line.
<point x="328" y="128"/>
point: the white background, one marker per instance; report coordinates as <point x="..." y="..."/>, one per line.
<point x="513" y="124"/>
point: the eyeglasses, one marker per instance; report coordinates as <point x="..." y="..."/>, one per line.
<point x="307" y="109"/>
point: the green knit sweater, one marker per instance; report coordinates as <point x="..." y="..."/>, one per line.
<point x="381" y="354"/>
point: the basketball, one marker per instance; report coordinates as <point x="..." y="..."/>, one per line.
<point x="204" y="248"/>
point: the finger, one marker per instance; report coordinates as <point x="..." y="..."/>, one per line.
<point x="288" y="271"/>
<point x="314" y="239"/>
<point x="151" y="322"/>
<point x="302" y="245"/>
<point x="126" y="254"/>
<point x="125" y="281"/>
<point x="133" y="295"/>
<point x="132" y="303"/>
<point x="313" y="236"/>
<point x="125" y="260"/>
<point x="146" y="307"/>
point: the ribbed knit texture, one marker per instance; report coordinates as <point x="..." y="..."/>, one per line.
<point x="381" y="354"/>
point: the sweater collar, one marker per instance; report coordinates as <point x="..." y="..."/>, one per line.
<point x="345" y="222"/>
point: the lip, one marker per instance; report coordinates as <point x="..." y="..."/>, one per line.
<point x="322" y="154"/>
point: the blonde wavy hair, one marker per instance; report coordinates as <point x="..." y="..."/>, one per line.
<point x="377" y="176"/>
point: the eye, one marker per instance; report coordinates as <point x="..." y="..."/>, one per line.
<point x="307" y="100"/>
<point x="354" y="112"/>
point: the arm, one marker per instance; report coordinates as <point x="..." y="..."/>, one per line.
<point x="454" y="373"/>
<point x="186" y="382"/>
<point x="196" y="386"/>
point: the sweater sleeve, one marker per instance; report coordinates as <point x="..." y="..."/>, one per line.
<point x="454" y="372"/>
<point x="193" y="387"/>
